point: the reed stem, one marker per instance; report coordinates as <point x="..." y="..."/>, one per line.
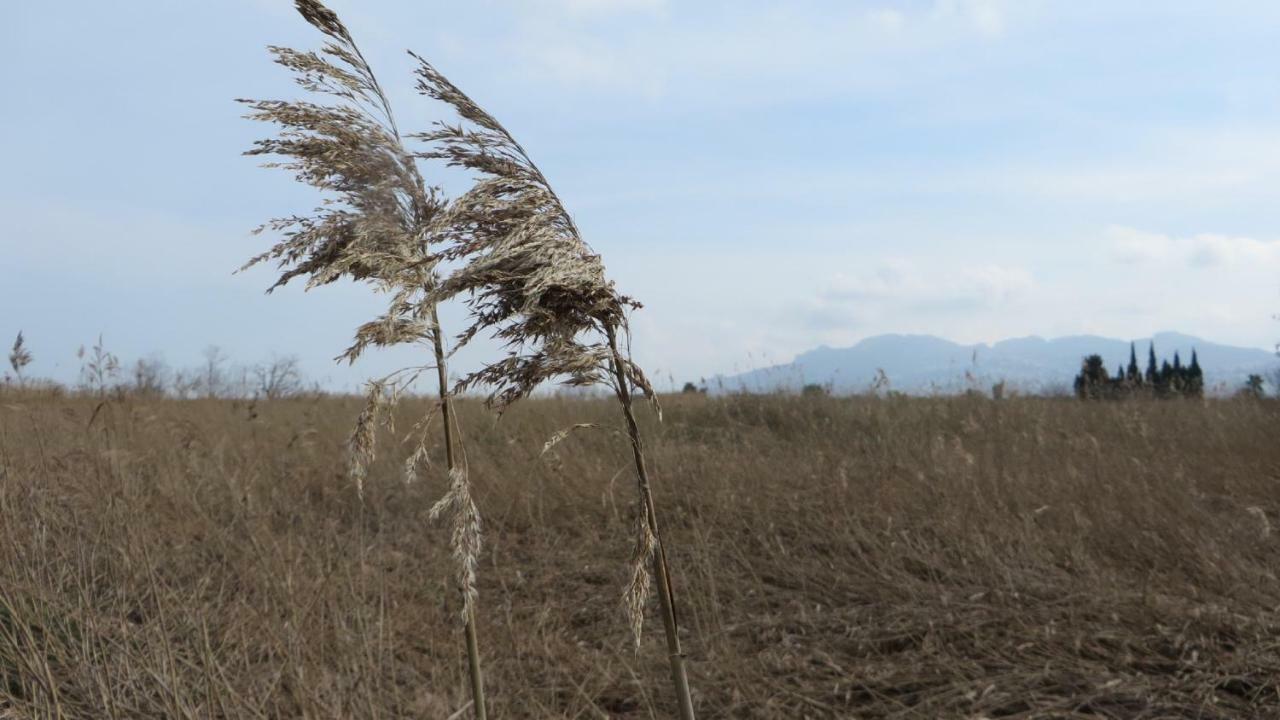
<point x="666" y="597"/>
<point x="446" y="415"/>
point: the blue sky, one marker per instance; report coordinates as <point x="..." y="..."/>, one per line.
<point x="765" y="176"/>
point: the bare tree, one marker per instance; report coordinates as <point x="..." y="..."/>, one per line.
<point x="150" y="377"/>
<point x="186" y="384"/>
<point x="278" y="378"/>
<point x="213" y="373"/>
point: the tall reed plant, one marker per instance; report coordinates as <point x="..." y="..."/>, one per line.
<point x="532" y="282"/>
<point x="517" y="259"/>
<point x="374" y="226"/>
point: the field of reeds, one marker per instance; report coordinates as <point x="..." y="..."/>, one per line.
<point x="833" y="557"/>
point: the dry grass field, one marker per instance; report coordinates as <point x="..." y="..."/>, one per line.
<point x="853" y="558"/>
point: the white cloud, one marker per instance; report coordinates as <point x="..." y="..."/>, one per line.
<point x="904" y="290"/>
<point x="1125" y="282"/>
<point x="1221" y="250"/>
<point x="998" y="284"/>
<point x="964" y="301"/>
<point x="1207" y="166"/>
<point x="1206" y="250"/>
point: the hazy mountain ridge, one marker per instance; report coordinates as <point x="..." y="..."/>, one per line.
<point x="925" y="363"/>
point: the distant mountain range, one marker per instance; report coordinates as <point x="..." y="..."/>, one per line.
<point x="928" y="364"/>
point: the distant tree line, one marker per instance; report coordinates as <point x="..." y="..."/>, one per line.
<point x="1160" y="380"/>
<point x="102" y="374"/>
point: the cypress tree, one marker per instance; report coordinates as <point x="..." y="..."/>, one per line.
<point x="1133" y="375"/>
<point x="1195" y="377"/>
<point x="1153" y="377"/>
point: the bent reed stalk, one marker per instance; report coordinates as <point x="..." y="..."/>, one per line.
<point x="467" y="525"/>
<point x="531" y="281"/>
<point x="375" y="230"/>
<point x="651" y="541"/>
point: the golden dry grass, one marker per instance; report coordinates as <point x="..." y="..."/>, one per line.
<point x="891" y="558"/>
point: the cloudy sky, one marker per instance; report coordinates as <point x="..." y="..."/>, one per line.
<point x="765" y="176"/>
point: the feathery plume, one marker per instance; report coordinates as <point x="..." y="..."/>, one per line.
<point x="19" y="356"/>
<point x="526" y="273"/>
<point x="532" y="282"/>
<point x="361" y="446"/>
<point x="562" y="434"/>
<point x="375" y="225"/>
<point x="465" y="522"/>
<point x="637" y="592"/>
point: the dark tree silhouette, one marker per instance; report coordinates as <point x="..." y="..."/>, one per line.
<point x="1253" y="388"/>
<point x="1093" y="383"/>
<point x="1194" y="386"/>
<point x="1167" y="380"/>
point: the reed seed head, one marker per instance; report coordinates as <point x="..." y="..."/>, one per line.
<point x="361" y="448"/>
<point x="19" y="356"/>
<point x="464" y="518"/>
<point x="637" y="591"/>
<point x="528" y="277"/>
<point x="374" y="221"/>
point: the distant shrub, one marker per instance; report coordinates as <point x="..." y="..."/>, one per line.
<point x="1253" y="388"/>
<point x="815" y="390"/>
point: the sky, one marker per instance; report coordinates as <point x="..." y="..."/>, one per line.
<point x="766" y="177"/>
